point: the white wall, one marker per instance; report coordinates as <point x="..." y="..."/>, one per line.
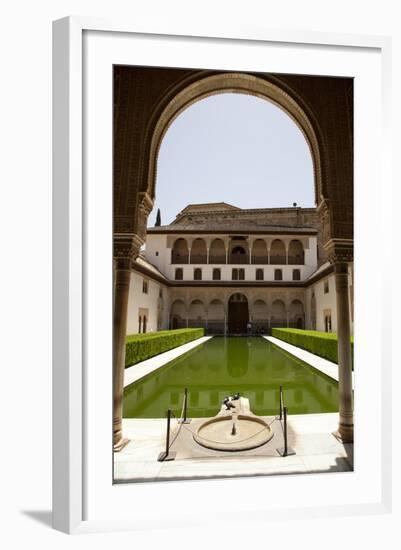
<point x="158" y="252"/>
<point x="139" y="300"/>
<point x="326" y="302"/>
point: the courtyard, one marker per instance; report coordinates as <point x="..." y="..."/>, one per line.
<point x="254" y="366"/>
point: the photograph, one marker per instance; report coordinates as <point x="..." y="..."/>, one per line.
<point x="233" y="274"/>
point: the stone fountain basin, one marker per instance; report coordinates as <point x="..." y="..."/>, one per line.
<point x="216" y="433"/>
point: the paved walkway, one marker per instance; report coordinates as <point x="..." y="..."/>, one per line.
<point x="323" y="365"/>
<point x="138" y="371"/>
<point x="310" y="435"/>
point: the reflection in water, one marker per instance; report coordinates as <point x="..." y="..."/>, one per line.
<point x="237" y="359"/>
<point x="223" y="366"/>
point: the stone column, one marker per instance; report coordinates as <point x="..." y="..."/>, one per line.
<point x="126" y="249"/>
<point x="346" y="420"/>
<point x="122" y="276"/>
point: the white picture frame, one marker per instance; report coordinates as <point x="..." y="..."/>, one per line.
<point x="84" y="498"/>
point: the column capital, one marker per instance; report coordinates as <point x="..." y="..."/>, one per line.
<point x="339" y="251"/>
<point x="126" y="246"/>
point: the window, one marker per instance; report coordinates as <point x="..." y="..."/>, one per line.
<point x="278" y="274"/>
<point x="156" y="253"/>
<point x="160" y="292"/>
<point x="326" y="287"/>
<point x="179" y="275"/>
<point x="259" y="275"/>
<point x="327" y="321"/>
<point x="145" y="286"/>
<point x="241" y="274"/>
<point x="216" y="274"/>
<point x="234" y="274"/>
<point x="296" y="275"/>
<point x="197" y="274"/>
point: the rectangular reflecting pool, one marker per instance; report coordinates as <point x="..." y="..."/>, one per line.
<point x="224" y="366"/>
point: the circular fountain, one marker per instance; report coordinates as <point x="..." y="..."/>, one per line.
<point x="234" y="429"/>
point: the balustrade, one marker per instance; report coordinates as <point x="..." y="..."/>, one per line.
<point x="296" y="260"/>
<point x="260" y="260"/>
<point x="179" y="258"/>
<point x="238" y="259"/>
<point x="278" y="260"/>
<point x="216" y="259"/>
<point x="198" y="259"/>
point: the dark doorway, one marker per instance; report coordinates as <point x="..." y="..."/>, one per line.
<point x="238" y="314"/>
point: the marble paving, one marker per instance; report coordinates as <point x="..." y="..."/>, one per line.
<point x="323" y="365"/>
<point x="138" y="371"/>
<point x="310" y="435"/>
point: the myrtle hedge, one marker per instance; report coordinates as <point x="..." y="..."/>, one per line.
<point x="139" y="347"/>
<point x="323" y="344"/>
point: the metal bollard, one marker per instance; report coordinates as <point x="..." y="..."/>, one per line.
<point x="286" y="451"/>
<point x="167" y="455"/>
<point x="281" y="402"/>
<point x="185" y="420"/>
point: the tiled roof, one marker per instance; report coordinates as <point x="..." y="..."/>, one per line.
<point x="143" y="263"/>
<point x="230" y="226"/>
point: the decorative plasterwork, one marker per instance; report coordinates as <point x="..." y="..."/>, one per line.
<point x="126" y="246"/>
<point x="340" y="251"/>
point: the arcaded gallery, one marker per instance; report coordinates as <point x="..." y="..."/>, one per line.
<point x="233" y="324"/>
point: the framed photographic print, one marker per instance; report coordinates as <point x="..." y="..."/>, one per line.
<point x="213" y="207"/>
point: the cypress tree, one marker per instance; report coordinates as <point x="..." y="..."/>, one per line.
<point x="158" y="218"/>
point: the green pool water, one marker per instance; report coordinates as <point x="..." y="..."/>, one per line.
<point x="223" y="366"/>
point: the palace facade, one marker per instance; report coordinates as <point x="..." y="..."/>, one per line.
<point x="233" y="270"/>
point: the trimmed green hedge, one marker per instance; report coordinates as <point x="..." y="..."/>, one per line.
<point x="139" y="347"/>
<point x="323" y="344"/>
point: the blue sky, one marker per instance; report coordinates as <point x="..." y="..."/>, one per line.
<point x="234" y="148"/>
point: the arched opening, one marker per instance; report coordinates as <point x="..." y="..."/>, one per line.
<point x="296" y="274"/>
<point x="286" y="97"/>
<point x="196" y="314"/>
<point x="178" y="315"/>
<point x="180" y="252"/>
<point x="238" y="274"/>
<point x="179" y="274"/>
<point x="278" y="314"/>
<point x="296" y="255"/>
<point x="216" y="317"/>
<point x="217" y="252"/>
<point x="238" y="314"/>
<point x="234" y="84"/>
<point x="239" y="253"/>
<point x="260" y="317"/>
<point x="277" y="252"/>
<point x="297" y="315"/>
<point x="198" y="252"/>
<point x="259" y="252"/>
<point x="197" y="274"/>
